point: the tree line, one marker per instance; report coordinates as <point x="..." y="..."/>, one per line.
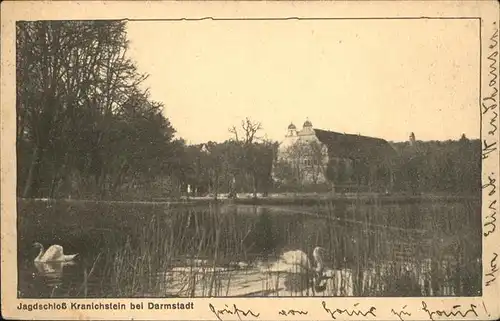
<point x="452" y="166"/>
<point x="87" y="128"/>
<point x="243" y="163"/>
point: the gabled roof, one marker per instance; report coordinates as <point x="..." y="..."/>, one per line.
<point x="355" y="146"/>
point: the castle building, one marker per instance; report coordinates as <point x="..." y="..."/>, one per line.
<point x="304" y="153"/>
<point x="315" y="156"/>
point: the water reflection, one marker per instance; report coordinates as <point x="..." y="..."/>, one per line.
<point x="255" y="279"/>
<point x="228" y="251"/>
<point x="43" y="279"/>
<point x="260" y="280"/>
<point x="51" y="272"/>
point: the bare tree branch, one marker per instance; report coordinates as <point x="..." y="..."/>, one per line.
<point x="250" y="129"/>
<point x="234" y="131"/>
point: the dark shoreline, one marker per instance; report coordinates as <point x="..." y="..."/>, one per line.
<point x="279" y="200"/>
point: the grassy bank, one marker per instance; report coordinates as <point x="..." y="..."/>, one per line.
<point x="312" y="199"/>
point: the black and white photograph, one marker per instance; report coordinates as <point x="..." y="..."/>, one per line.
<point x="251" y="157"/>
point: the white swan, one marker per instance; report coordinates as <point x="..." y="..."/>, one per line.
<point x="296" y="263"/>
<point x="54" y="253"/>
<point x="52" y="270"/>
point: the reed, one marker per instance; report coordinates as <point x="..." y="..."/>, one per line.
<point x="137" y="250"/>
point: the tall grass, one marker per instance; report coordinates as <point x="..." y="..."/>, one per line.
<point x="440" y="245"/>
<point x="133" y="249"/>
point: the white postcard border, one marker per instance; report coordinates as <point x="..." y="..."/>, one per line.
<point x="432" y="308"/>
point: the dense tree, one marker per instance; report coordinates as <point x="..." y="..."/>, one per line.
<point x="432" y="166"/>
<point x="284" y="175"/>
<point x="301" y="162"/>
<point x="256" y="156"/>
<point x="242" y="164"/>
<point x="83" y="124"/>
<point x="339" y="173"/>
<point x="439" y="166"/>
<point x="265" y="155"/>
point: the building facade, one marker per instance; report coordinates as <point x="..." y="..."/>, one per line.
<point x="304" y="155"/>
<point x="343" y="161"/>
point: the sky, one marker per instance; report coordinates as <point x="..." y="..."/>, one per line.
<point x="380" y="78"/>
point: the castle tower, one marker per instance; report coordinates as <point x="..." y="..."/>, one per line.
<point x="307" y="129"/>
<point x="290" y="139"/>
<point x="292" y="130"/>
<point x="412" y="139"/>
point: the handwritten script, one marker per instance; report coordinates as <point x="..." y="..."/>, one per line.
<point x="401" y="313"/>
<point x="489" y="110"/>
<point x="455" y="311"/>
<point x="353" y="311"/>
<point x="234" y="310"/>
<point x="231" y="312"/>
<point x="292" y="312"/>
<point x="493" y="269"/>
<point x="489" y="102"/>
<point x="490" y="219"/>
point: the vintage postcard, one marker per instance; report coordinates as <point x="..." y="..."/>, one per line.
<point x="250" y="160"/>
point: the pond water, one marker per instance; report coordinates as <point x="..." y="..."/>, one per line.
<point x="200" y="250"/>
